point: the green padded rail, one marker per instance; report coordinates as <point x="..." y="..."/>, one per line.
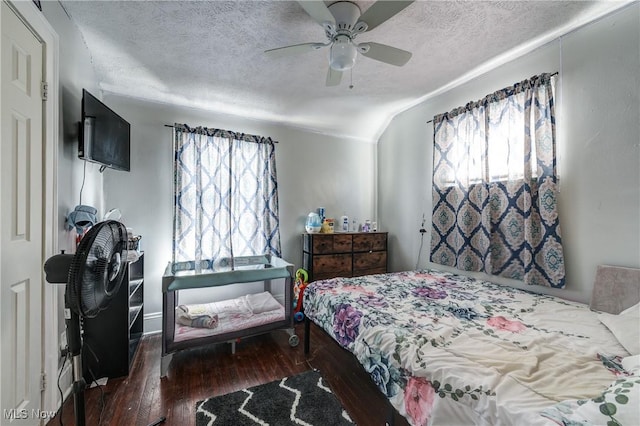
<point x="273" y="268"/>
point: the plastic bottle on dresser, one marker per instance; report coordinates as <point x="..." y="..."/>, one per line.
<point x="344" y="221"/>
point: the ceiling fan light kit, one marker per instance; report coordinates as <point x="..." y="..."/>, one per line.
<point x="343" y="22"/>
<point x="343" y="54"/>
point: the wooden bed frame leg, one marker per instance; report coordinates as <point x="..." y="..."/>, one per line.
<point x="307" y="329"/>
<point x="390" y="417"/>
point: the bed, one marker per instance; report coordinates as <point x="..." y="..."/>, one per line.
<point x="449" y="349"/>
<point x="192" y="325"/>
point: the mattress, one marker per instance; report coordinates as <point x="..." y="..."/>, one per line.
<point x="448" y="349"/>
<point x="241" y="313"/>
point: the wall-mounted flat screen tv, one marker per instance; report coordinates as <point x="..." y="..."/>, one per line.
<point x="104" y="136"/>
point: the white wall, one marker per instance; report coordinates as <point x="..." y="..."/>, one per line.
<point x="75" y="73"/>
<point x="598" y="116"/>
<point x="313" y="170"/>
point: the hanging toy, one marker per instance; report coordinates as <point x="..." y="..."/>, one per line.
<point x="301" y="282"/>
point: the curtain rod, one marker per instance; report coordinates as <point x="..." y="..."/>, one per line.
<point x="172" y="126"/>
<point x="431" y="121"/>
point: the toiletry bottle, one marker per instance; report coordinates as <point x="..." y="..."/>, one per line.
<point x="344" y="220"/>
<point x="321" y="214"/>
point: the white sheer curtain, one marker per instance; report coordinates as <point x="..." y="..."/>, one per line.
<point x="226" y="197"/>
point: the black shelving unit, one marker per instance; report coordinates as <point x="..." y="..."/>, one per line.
<point x="111" y="339"/>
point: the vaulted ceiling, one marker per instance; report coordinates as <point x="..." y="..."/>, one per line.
<point x="210" y="54"/>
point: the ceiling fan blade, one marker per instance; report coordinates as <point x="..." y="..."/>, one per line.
<point x="279" y="52"/>
<point x="382" y="10"/>
<point x="333" y="77"/>
<point x="318" y="11"/>
<point x="384" y="53"/>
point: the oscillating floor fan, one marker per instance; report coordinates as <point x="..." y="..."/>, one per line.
<point x="93" y="276"/>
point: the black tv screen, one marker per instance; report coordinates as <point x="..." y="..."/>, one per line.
<point x="105" y="136"/>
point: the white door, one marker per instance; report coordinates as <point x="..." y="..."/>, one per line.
<point x="21" y="221"/>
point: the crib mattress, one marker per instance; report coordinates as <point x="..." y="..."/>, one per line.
<point x="234" y="315"/>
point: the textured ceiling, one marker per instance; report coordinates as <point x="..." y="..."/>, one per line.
<point x="210" y="54"/>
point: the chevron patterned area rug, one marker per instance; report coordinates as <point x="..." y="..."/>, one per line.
<point x="304" y="399"/>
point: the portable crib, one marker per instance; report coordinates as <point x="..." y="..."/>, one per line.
<point x="235" y="271"/>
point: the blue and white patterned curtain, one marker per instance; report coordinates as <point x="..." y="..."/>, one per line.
<point x="226" y="196"/>
<point x="495" y="186"/>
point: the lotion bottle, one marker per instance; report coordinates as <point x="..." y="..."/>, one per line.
<point x="344" y="221"/>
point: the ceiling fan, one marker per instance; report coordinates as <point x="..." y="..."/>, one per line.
<point x="343" y="22"/>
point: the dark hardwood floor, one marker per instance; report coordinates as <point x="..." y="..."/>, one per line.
<point x="197" y="374"/>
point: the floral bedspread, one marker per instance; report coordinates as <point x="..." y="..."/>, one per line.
<point x="448" y="349"/>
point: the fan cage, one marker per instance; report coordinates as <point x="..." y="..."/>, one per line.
<point x="92" y="283"/>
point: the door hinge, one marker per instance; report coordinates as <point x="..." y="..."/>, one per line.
<point x="43" y="381"/>
<point x="44" y="90"/>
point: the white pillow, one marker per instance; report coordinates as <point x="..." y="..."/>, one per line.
<point x="625" y="326"/>
<point x="262" y="302"/>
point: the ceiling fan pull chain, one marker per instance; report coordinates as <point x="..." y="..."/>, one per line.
<point x="351" y="74"/>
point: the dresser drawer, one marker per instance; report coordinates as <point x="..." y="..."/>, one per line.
<point x="337" y="264"/>
<point x="331" y="243"/>
<point x="374" y="260"/>
<point x="369" y="242"/>
<point x="344" y="254"/>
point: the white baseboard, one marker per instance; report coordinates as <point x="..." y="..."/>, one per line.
<point x="152" y="323"/>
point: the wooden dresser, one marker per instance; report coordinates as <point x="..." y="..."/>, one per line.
<point x="344" y="254"/>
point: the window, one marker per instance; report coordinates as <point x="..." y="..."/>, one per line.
<point x="495" y="186"/>
<point x="226" y="196"/>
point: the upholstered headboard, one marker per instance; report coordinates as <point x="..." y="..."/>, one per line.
<point x="615" y="289"/>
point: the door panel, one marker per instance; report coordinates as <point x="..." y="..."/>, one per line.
<point x="21" y="224"/>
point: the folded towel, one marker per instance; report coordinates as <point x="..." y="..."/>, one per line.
<point x="196" y="316"/>
<point x="193" y="311"/>
<point x="204" y="321"/>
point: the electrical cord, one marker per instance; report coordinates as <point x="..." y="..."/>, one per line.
<point x="101" y="387"/>
<point x="67" y="355"/>
<point x="64" y="362"/>
<point x="422" y="232"/>
<point x="102" y="403"/>
<point x="420" y="249"/>
<point x="94" y="380"/>
<point x="84" y="176"/>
